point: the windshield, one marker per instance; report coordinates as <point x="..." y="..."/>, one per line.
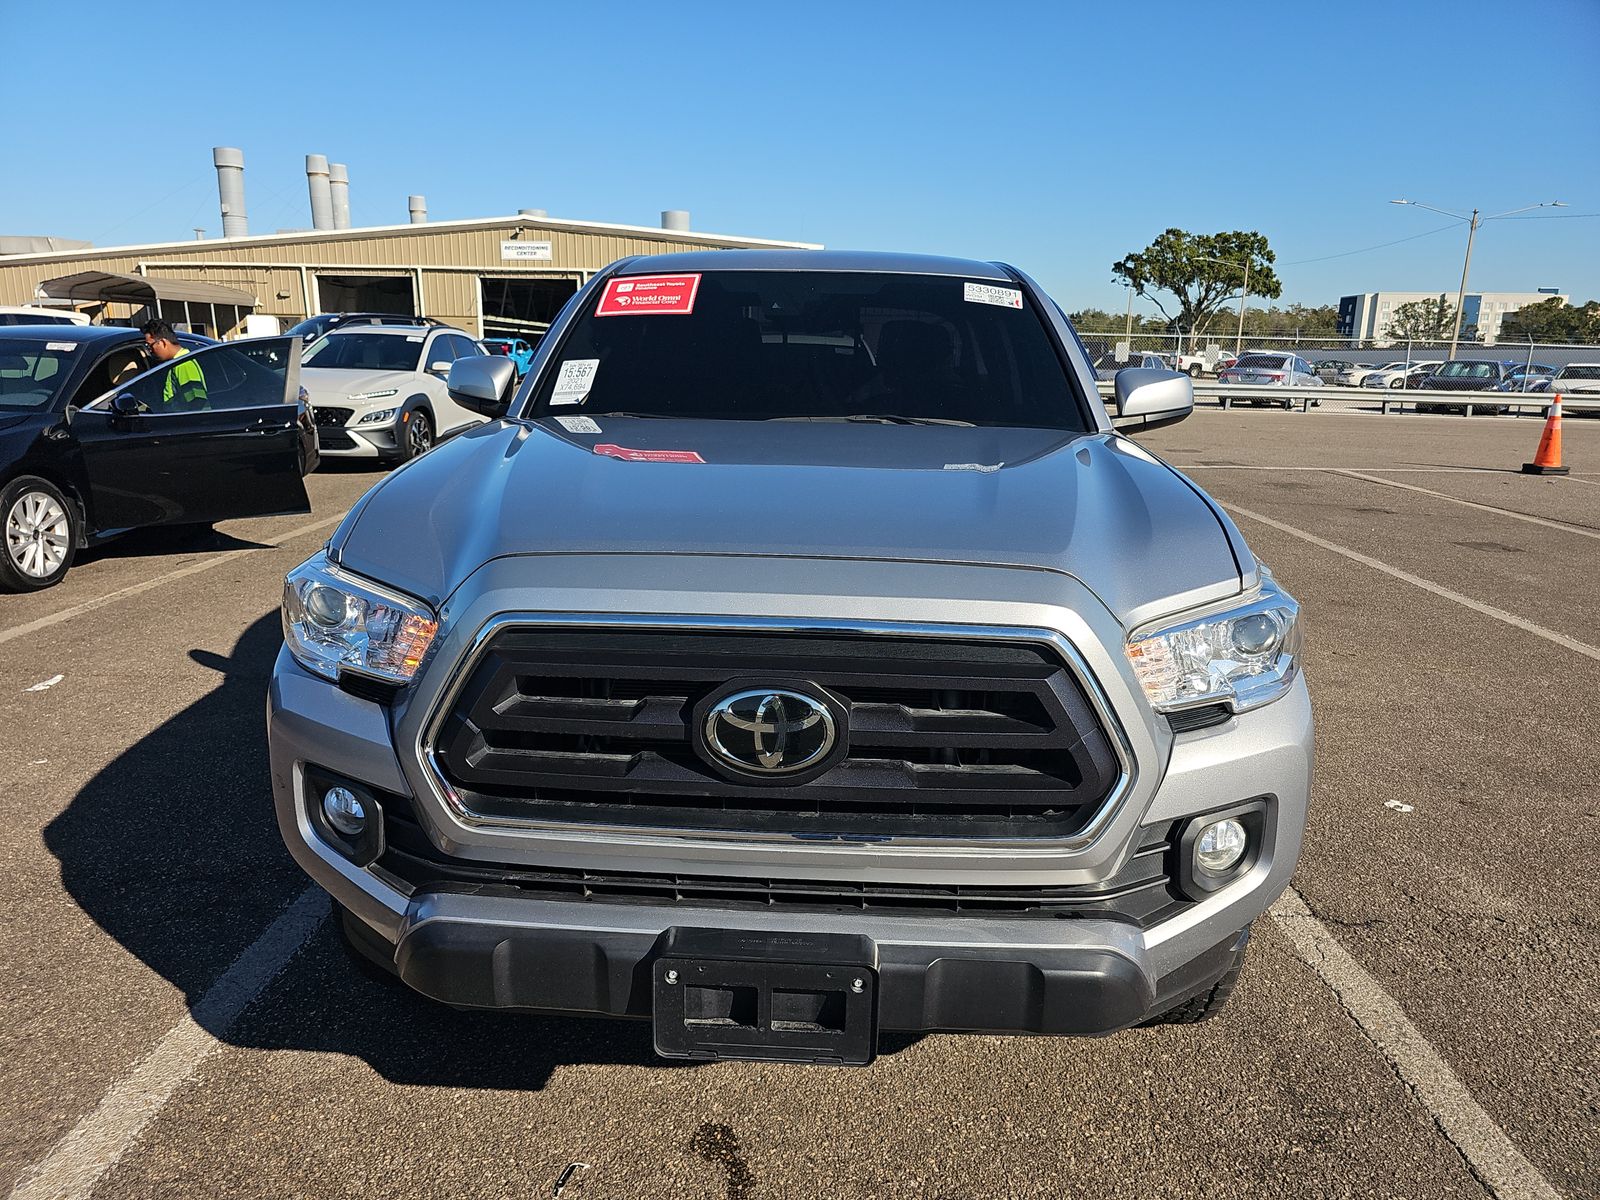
<point x="760" y="345"/>
<point x="1468" y="370"/>
<point x="1270" y="362"/>
<point x="366" y="352"/>
<point x="1580" y="372"/>
<point x="32" y="372"/>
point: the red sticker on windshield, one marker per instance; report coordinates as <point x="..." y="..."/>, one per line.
<point x="627" y="454"/>
<point x="644" y="294"/>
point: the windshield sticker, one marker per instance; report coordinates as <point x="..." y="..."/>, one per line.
<point x="414" y="337"/>
<point x="642" y="295"/>
<point x="69" y="346"/>
<point x="578" y="424"/>
<point x="987" y="293"/>
<point x="626" y="454"/>
<point x="986" y="468"/>
<point x="575" y="380"/>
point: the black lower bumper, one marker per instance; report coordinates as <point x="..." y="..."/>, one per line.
<point x="1006" y="989"/>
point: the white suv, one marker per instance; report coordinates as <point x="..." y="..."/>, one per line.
<point x="378" y="391"/>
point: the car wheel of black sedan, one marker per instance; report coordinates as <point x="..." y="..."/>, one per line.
<point x="40" y="531"/>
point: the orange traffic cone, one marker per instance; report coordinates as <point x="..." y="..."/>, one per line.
<point x="1547" y="461"/>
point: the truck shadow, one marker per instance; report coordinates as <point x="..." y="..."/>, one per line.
<point x="174" y="851"/>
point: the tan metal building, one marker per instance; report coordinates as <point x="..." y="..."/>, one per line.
<point x="506" y="275"/>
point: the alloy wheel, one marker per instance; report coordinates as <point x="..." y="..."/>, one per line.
<point x="419" y="435"/>
<point x="37" y="534"/>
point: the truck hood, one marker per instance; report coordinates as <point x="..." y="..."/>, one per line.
<point x="1095" y="506"/>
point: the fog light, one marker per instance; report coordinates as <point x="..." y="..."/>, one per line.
<point x="344" y="811"/>
<point x="1220" y="846"/>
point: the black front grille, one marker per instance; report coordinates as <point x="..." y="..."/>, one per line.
<point x="331" y="416"/>
<point x="334" y="439"/>
<point x="1143" y="892"/>
<point x="946" y="739"/>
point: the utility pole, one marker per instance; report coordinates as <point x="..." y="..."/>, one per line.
<point x="1238" y="342"/>
<point x="1127" y="331"/>
<point x="1473" y="222"/>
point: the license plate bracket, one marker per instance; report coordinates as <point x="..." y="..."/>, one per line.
<point x="770" y="997"/>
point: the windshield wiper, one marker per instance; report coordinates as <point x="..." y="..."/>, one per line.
<point x="884" y="419"/>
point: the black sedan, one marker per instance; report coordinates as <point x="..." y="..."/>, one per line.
<point x="95" y="439"/>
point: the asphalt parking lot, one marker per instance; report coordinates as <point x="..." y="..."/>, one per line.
<point x="1418" y="1018"/>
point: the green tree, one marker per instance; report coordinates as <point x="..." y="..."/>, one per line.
<point x="1201" y="272"/>
<point x="1421" y="321"/>
<point x="1552" y="320"/>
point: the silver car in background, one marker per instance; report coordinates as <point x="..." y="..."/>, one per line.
<point x="1269" y="368"/>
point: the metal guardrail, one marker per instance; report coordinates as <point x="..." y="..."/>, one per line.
<point x="1386" y="399"/>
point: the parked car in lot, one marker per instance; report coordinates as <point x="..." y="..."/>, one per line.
<point x="720" y="681"/>
<point x="312" y="328"/>
<point x="1352" y="374"/>
<point x="1327" y="369"/>
<point x="1531" y="377"/>
<point x="1107" y="366"/>
<point x="93" y="444"/>
<point x="1269" y="368"/>
<point x="517" y="350"/>
<point x="1466" y="375"/>
<point x="1400" y="376"/>
<point x="378" y="391"/>
<point x="26" y="314"/>
<point x="1577" y="379"/>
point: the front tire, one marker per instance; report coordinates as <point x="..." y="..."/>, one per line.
<point x="1194" y="370"/>
<point x="1204" y="1006"/>
<point x="39" y="529"/>
<point x="416" y="437"/>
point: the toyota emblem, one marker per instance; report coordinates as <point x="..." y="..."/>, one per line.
<point x="770" y="731"/>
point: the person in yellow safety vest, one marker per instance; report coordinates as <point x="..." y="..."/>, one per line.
<point x="185" y="387"/>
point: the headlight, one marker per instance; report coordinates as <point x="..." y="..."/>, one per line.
<point x="374" y="418"/>
<point x="378" y="395"/>
<point x="333" y="621"/>
<point x="1246" y="655"/>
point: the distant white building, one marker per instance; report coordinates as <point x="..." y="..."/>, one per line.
<point x="1367" y="316"/>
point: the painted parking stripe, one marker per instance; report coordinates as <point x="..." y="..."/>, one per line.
<point x="1490" y="1155"/>
<point x="194" y="568"/>
<point x="1563" y="526"/>
<point x="1427" y="585"/>
<point x="97" y="1143"/>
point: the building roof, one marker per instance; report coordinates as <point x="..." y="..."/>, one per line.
<point x="555" y="224"/>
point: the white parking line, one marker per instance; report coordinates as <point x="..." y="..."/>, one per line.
<point x="194" y="568"/>
<point x="1489" y="1153"/>
<point x="1563" y="526"/>
<point x="97" y="1143"/>
<point x="1427" y="585"/>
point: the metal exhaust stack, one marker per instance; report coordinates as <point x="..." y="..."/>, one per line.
<point x="419" y="209"/>
<point x="229" y="162"/>
<point x="675" y="218"/>
<point x="321" y="193"/>
<point x="339" y="186"/>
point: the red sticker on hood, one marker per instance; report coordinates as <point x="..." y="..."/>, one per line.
<point x="641" y="295"/>
<point x="629" y="455"/>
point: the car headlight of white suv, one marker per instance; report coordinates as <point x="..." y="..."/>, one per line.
<point x="1244" y="655"/>
<point x="334" y="621"/>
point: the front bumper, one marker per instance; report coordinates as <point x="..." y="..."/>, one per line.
<point x="359" y="441"/>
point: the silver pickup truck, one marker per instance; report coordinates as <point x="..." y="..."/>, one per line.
<point x="803" y="654"/>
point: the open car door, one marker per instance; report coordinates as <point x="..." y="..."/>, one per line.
<point x="211" y="436"/>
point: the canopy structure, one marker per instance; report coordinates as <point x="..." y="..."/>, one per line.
<point x="164" y="296"/>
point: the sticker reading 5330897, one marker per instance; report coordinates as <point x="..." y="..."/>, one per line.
<point x="988" y="293"/>
<point x="644" y="295"/>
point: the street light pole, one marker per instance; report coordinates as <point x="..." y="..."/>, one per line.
<point x="1238" y="342"/>
<point x="1473" y="222"/>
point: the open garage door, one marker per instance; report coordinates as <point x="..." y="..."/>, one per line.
<point x="366" y="293"/>
<point x="523" y="307"/>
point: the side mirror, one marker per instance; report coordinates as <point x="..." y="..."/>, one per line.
<point x="439" y="368"/>
<point x="483" y="383"/>
<point x="1148" y="399"/>
<point x="126" y="404"/>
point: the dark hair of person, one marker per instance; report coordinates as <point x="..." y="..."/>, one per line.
<point x="159" y="330"/>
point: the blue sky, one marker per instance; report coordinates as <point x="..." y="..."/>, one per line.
<point x="1057" y="136"/>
